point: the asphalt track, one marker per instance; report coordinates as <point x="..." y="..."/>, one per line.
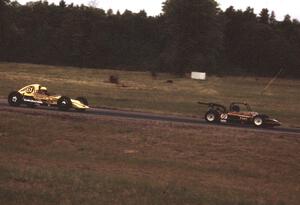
<point x="144" y="116"/>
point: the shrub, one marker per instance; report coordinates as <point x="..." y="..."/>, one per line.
<point x="114" y="79"/>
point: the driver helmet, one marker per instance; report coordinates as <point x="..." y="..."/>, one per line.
<point x="236" y="108"/>
<point x="43" y="89"/>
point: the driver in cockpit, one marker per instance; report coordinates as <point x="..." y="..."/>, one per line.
<point x="236" y="108"/>
<point x="43" y="91"/>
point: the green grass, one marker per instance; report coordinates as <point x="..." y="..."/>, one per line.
<point x="56" y="186"/>
<point x="139" y="91"/>
<point x="53" y="186"/>
<point x="66" y="159"/>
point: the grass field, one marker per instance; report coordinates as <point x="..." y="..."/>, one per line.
<point x="66" y="159"/>
<point x="139" y="91"/>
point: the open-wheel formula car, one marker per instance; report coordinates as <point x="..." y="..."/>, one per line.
<point x="239" y="113"/>
<point x="35" y="94"/>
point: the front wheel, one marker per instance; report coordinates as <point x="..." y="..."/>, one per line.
<point x="211" y="117"/>
<point x="258" y="121"/>
<point x="15" y="99"/>
<point x="64" y="103"/>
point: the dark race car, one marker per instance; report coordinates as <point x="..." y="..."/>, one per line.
<point x="239" y="113"/>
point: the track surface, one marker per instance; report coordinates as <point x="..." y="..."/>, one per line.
<point x="143" y="116"/>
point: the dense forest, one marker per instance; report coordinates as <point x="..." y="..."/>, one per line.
<point x="192" y="35"/>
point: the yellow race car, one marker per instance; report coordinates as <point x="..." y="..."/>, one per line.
<point x="35" y="94"/>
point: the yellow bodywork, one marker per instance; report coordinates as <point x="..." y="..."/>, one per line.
<point x="31" y="92"/>
<point x="78" y="105"/>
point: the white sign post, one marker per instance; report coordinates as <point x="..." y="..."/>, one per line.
<point x="198" y="76"/>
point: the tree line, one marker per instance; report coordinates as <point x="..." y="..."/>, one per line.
<point x="192" y="35"/>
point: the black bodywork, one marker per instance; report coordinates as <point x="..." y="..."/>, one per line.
<point x="218" y="113"/>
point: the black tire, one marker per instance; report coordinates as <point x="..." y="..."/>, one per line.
<point x="258" y="121"/>
<point x="64" y="103"/>
<point x="212" y="117"/>
<point x="15" y="99"/>
<point x="83" y="100"/>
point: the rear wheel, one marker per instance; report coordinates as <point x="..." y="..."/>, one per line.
<point x="15" y="99"/>
<point x="258" y="121"/>
<point x="64" y="103"/>
<point x="212" y="117"/>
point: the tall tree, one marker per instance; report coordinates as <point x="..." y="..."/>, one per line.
<point x="264" y="16"/>
<point x="194" y="36"/>
<point x="5" y="28"/>
<point x="3" y="16"/>
<point x="287" y="19"/>
<point x="273" y="18"/>
<point x="62" y="4"/>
